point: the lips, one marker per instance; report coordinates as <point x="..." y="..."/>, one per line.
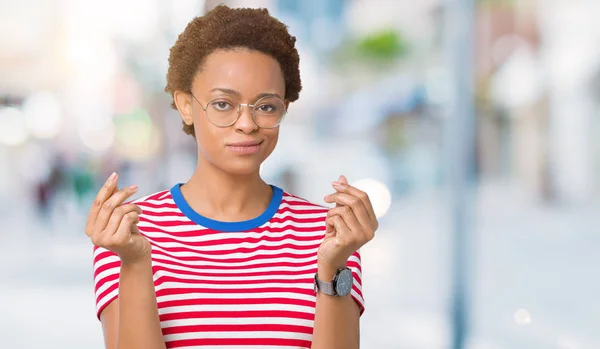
<point x="244" y="148"/>
<point x="244" y="144"/>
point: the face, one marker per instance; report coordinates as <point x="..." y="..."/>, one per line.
<point x="229" y="78"/>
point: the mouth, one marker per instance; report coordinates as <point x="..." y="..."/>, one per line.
<point x="244" y="148"/>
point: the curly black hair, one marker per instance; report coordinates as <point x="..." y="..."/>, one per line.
<point x="227" y="28"/>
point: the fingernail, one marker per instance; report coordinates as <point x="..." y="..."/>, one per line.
<point x="338" y="185"/>
<point x="112" y="177"/>
<point x="133" y="187"/>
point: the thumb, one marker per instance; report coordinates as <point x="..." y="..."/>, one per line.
<point x="343" y="179"/>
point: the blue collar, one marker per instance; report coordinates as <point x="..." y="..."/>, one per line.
<point x="227" y="226"/>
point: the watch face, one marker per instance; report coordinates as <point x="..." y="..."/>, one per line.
<point x="343" y="283"/>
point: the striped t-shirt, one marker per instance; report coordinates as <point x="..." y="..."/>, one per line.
<point x="230" y="284"/>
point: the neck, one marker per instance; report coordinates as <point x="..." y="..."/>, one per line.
<point x="222" y="196"/>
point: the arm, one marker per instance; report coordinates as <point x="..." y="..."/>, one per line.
<point x="350" y="225"/>
<point x="336" y="319"/>
<point x="132" y="321"/>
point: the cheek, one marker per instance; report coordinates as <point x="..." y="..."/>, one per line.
<point x="272" y="136"/>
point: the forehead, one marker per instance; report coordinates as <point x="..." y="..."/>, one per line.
<point x="248" y="72"/>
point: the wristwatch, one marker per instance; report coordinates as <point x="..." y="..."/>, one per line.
<point x="340" y="286"/>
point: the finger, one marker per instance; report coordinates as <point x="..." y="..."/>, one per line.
<point x="348" y="189"/>
<point x="109" y="206"/>
<point x="104" y="193"/>
<point x="342" y="230"/>
<point x="343" y="179"/>
<point x="349" y="217"/>
<point x="117" y="216"/>
<point x="355" y="204"/>
<point x="123" y="234"/>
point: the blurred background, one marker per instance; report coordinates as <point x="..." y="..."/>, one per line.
<point x="471" y="125"/>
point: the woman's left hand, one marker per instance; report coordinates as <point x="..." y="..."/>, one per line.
<point x="350" y="225"/>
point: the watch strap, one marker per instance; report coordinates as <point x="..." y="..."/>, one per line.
<point x="324" y="287"/>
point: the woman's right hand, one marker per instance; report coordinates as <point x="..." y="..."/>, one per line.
<point x="113" y="226"/>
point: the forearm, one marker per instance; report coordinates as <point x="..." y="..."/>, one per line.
<point x="336" y="319"/>
<point x="139" y="324"/>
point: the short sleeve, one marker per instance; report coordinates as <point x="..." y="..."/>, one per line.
<point x="107" y="266"/>
<point x="354" y="263"/>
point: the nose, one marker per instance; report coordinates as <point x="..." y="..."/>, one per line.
<point x="245" y="123"/>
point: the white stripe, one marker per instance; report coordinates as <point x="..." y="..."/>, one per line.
<point x="173" y="218"/>
<point x="106" y="286"/>
<point x="300" y="206"/>
<point x="356" y="295"/>
<point x="106" y="273"/>
<point x="206" y="269"/>
<point x="245" y="255"/>
<point x="301" y="215"/>
<point x="104" y="300"/>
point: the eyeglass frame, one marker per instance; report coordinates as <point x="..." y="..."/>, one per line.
<point x="240" y="112"/>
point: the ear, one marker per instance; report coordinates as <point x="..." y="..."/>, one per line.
<point x="184" y="101"/>
<point x="287" y="104"/>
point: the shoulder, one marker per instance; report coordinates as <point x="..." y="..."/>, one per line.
<point x="299" y="203"/>
<point x="156" y="198"/>
<point x="157" y="205"/>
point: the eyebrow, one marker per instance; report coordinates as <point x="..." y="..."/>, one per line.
<point x="238" y="94"/>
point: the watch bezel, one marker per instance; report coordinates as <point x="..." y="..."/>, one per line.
<point x="336" y="278"/>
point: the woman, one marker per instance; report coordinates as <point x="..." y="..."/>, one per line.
<point x="226" y="260"/>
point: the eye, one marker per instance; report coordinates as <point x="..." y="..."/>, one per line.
<point x="267" y="108"/>
<point x="221" y="105"/>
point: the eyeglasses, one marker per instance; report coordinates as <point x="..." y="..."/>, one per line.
<point x="267" y="112"/>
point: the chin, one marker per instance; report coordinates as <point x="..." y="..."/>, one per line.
<point x="241" y="167"/>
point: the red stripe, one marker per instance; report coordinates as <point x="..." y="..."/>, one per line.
<point x="237" y="314"/>
<point x="301" y="211"/>
<point x="106" y="292"/>
<point x="237" y="241"/>
<point x="108" y="278"/>
<point x="200" y="272"/>
<point x="238" y="260"/>
<point x="174" y="291"/>
<point x="205" y="232"/>
<point x="262" y="342"/>
<point x="105" y="267"/>
<point x="173" y="206"/>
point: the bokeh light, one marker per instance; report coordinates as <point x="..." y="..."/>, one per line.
<point x="522" y="317"/>
<point x="136" y="136"/>
<point x="43" y="116"/>
<point x="380" y="195"/>
<point x="13" y="130"/>
<point x="98" y="139"/>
